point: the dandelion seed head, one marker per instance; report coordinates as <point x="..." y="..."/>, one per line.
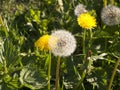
<point x="79" y="9"/>
<point x="87" y="21"/>
<point x="62" y="43"/>
<point x="110" y="15"/>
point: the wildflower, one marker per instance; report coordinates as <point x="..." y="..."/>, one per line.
<point x="87" y="21"/>
<point x="110" y="15"/>
<point x="42" y="42"/>
<point x="62" y="43"/>
<point x="79" y="9"/>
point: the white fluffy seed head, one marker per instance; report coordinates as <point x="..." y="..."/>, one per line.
<point x="79" y="9"/>
<point x="62" y="43"/>
<point x="110" y="15"/>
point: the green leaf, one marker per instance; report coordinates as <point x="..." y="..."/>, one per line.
<point x="31" y="78"/>
<point x="1" y="47"/>
<point x="10" y="83"/>
<point x="98" y="78"/>
<point x="101" y="57"/>
<point x="10" y="54"/>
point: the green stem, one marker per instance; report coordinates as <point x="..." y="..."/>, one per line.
<point x="21" y="63"/>
<point x="105" y="3"/>
<point x="77" y="74"/>
<point x="81" y="80"/>
<point x="113" y="74"/>
<point x="91" y="34"/>
<point x="57" y="74"/>
<point x="49" y="70"/>
<point x="84" y="51"/>
<point x="86" y="63"/>
<point x="112" y="2"/>
<point x="80" y="85"/>
<point x="90" y="40"/>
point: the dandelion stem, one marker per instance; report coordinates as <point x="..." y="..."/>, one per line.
<point x="57" y="74"/>
<point x="112" y="2"/>
<point x="49" y="70"/>
<point x="84" y="51"/>
<point x="84" y="60"/>
<point x="87" y="63"/>
<point x="105" y="3"/>
<point x="113" y="74"/>
<point x="91" y="34"/>
<point x="90" y="40"/>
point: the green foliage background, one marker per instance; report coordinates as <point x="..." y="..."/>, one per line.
<point x="22" y="67"/>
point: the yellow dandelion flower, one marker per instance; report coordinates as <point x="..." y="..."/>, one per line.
<point x="42" y="42"/>
<point x="86" y="21"/>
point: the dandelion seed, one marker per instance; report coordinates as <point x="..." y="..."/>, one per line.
<point x="86" y="21"/>
<point x="42" y="42"/>
<point x="62" y="43"/>
<point x="79" y="9"/>
<point x="110" y="15"/>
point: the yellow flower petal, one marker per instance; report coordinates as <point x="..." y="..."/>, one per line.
<point x="86" y="21"/>
<point x="42" y="42"/>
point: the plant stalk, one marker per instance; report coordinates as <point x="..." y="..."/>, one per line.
<point x="86" y="63"/>
<point x="90" y="40"/>
<point x="113" y="74"/>
<point x="57" y="74"/>
<point x="49" y="70"/>
<point x="84" y="50"/>
<point x="105" y="3"/>
<point x="84" y="60"/>
<point x="112" y="2"/>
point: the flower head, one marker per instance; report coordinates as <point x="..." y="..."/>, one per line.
<point x="87" y="21"/>
<point x="110" y="15"/>
<point x="79" y="9"/>
<point x="62" y="43"/>
<point x="42" y="42"/>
